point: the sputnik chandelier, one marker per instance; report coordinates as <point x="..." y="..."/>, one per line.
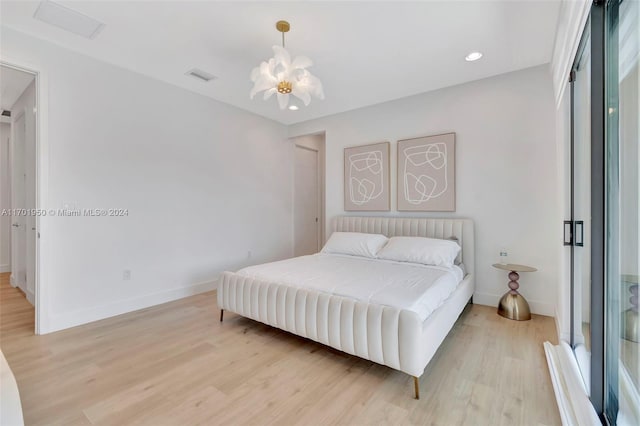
<point x="284" y="77"/>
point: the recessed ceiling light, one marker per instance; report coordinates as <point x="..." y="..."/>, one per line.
<point x="68" y="19"/>
<point x="293" y="107"/>
<point x="473" y="56"/>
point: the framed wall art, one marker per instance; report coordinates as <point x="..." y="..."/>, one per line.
<point x="427" y="174"/>
<point x="366" y="178"/>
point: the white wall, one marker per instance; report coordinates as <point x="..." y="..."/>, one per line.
<point x="5" y="199"/>
<point x="204" y="184"/>
<point x="506" y="176"/>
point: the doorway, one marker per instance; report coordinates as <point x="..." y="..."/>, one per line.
<point x="18" y="160"/>
<point x="308" y="197"/>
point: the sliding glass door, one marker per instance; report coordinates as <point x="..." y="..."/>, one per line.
<point x="581" y="206"/>
<point x="605" y="93"/>
<point x="622" y="330"/>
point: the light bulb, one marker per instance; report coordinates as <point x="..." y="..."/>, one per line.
<point x="473" y="56"/>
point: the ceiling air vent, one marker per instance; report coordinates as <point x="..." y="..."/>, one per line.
<point x="6" y="113"/>
<point x="201" y="75"/>
<point x="68" y="19"/>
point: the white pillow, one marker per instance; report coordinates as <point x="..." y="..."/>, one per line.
<point x="427" y="251"/>
<point x="355" y="244"/>
<point x="458" y="260"/>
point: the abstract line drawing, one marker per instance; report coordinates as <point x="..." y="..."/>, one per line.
<point x="426" y="173"/>
<point x="366" y="178"/>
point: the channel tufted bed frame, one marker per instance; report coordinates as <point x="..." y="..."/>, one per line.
<point x="394" y="337"/>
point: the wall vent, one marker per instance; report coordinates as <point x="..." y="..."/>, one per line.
<point x="201" y="75"/>
<point x="6" y="113"/>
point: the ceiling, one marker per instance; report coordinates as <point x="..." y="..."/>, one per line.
<point x="12" y="84"/>
<point x="364" y="52"/>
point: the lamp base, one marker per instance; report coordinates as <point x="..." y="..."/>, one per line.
<point x="631" y="326"/>
<point x="514" y="307"/>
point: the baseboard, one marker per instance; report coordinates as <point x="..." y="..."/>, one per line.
<point x="539" y="308"/>
<point x="563" y="336"/>
<point x="12" y="281"/>
<point x="5" y="268"/>
<point x="84" y="316"/>
<point x="558" y="333"/>
<point x="31" y="297"/>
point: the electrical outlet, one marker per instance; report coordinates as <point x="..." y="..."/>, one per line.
<point x="503" y="256"/>
<point x="126" y="275"/>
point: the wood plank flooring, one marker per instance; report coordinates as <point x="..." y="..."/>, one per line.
<point x="176" y="364"/>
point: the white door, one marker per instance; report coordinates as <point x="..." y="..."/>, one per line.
<point x="306" y="202"/>
<point x="30" y="199"/>
<point x="18" y="201"/>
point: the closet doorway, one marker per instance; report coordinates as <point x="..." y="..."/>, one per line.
<point x="308" y="194"/>
<point x="19" y="218"/>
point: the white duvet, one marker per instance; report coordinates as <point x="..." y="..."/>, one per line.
<point x="418" y="288"/>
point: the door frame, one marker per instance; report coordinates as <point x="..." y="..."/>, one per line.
<point x="575" y="67"/>
<point x="597" y="95"/>
<point x="598" y="194"/>
<point x="42" y="191"/>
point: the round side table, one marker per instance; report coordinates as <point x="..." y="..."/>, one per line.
<point x="512" y="305"/>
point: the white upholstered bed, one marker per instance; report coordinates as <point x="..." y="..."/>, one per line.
<point x="397" y="333"/>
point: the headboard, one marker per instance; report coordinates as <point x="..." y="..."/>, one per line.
<point x="442" y="228"/>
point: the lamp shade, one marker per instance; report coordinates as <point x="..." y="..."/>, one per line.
<point x="284" y="77"/>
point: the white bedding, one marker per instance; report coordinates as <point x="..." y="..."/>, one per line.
<point x="418" y="288"/>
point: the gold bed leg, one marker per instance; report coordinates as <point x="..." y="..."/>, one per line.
<point x="416" y="385"/>
<point x="221" y="314"/>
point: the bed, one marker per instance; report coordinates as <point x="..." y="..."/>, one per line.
<point x="354" y="305"/>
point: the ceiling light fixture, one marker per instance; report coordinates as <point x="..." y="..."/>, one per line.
<point x="68" y="19"/>
<point x="293" y="107"/>
<point x="473" y="56"/>
<point x="282" y="76"/>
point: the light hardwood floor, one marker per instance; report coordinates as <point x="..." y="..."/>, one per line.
<point x="175" y="364"/>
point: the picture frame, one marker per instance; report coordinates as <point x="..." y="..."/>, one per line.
<point x="367" y="177"/>
<point x="426" y="174"/>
